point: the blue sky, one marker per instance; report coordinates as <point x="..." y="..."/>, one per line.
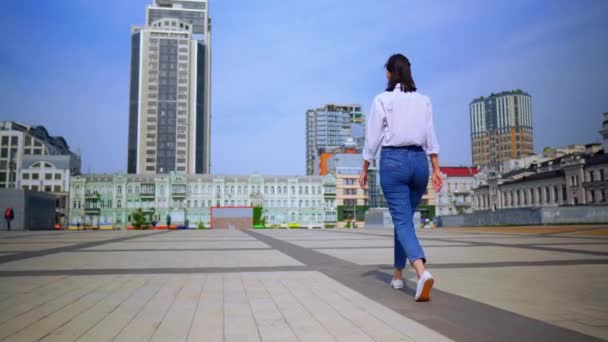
<point x="67" y="67"/>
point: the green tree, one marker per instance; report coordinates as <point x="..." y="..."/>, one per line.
<point x="201" y="225"/>
<point x="257" y="215"/>
<point x="138" y="219"/>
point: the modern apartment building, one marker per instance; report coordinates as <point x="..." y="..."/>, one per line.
<point x="501" y="128"/>
<point x="329" y="128"/>
<point x="351" y="200"/>
<point x="108" y="201"/>
<point x="170" y="103"/>
<point x="31" y="159"/>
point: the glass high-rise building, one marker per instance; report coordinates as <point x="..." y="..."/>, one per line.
<point x="501" y="128"/>
<point x="170" y="102"/>
<point x="329" y="127"/>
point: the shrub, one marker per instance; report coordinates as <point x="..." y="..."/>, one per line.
<point x="294" y="225"/>
<point x="201" y="225"/>
<point x="138" y="220"/>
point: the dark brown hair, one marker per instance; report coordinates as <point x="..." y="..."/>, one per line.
<point x="401" y="73"/>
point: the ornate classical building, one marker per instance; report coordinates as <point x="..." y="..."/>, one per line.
<point x="574" y="179"/>
<point x="108" y="201"/>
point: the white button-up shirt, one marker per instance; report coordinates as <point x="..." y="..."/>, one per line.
<point x="400" y="119"/>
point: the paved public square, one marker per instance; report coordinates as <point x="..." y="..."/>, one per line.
<point x="496" y="284"/>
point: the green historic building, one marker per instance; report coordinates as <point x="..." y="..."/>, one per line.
<point x="108" y="201"/>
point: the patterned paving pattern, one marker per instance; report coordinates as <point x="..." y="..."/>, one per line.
<point x="300" y="285"/>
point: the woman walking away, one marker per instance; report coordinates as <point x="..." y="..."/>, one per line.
<point x="401" y="120"/>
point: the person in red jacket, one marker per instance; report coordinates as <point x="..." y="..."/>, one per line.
<point x="9" y="215"/>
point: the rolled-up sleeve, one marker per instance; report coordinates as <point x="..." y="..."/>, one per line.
<point x="431" y="145"/>
<point x="374" y="130"/>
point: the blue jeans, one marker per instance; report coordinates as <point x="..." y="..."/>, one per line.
<point x="404" y="175"/>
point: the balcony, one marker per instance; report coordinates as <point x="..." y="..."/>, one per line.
<point x="92" y="211"/>
<point x="92" y="196"/>
<point x="178" y="191"/>
<point x="147" y="192"/>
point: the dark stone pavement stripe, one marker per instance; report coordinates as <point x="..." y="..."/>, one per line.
<point x="576" y="231"/>
<point x="50" y="233"/>
<point x="527" y="246"/>
<point x="189" y="240"/>
<point x="135" y="271"/>
<point x="170" y="250"/>
<point x="380" y="247"/>
<point x="577" y="262"/>
<point x="34" y="254"/>
<point x="486" y="235"/>
<point x="454" y="316"/>
<point x="496" y="244"/>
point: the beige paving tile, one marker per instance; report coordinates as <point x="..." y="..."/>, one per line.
<point x="48" y="324"/>
<point x="12" y="286"/>
<point x="208" y="321"/>
<point x="270" y="322"/>
<point x="548" y="293"/>
<point x="24" y="302"/>
<point x="112" y="324"/>
<point x="151" y="316"/>
<point x="407" y="327"/>
<point x="182" y="244"/>
<point x="175" y="326"/>
<point x="301" y="321"/>
<point x="157" y="259"/>
<point x="369" y="324"/>
<point x="341" y="328"/>
<point x="456" y="254"/>
<point x="29" y="247"/>
<point x="89" y="318"/>
<point x="590" y="248"/>
<point x="239" y="324"/>
<point x="83" y="287"/>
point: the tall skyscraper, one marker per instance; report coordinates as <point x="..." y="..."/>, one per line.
<point x="328" y="128"/>
<point x="170" y="102"/>
<point x="501" y="128"/>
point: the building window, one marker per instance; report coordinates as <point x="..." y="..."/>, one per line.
<point x="555" y="194"/>
<point x="57" y="188"/>
<point x="48" y="176"/>
<point x="26" y="176"/>
<point x="601" y="175"/>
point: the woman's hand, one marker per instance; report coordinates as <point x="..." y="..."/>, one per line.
<point x="363" y="179"/>
<point x="437" y="180"/>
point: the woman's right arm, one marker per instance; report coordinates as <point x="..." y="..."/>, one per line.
<point x="374" y="130"/>
<point x="374" y="133"/>
<point x="432" y="149"/>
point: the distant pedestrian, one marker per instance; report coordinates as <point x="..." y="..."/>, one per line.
<point x="78" y="225"/>
<point x="9" y="215"/>
<point x="401" y="121"/>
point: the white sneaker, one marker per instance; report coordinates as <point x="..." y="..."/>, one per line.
<point x="397" y="283"/>
<point x="425" y="284"/>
